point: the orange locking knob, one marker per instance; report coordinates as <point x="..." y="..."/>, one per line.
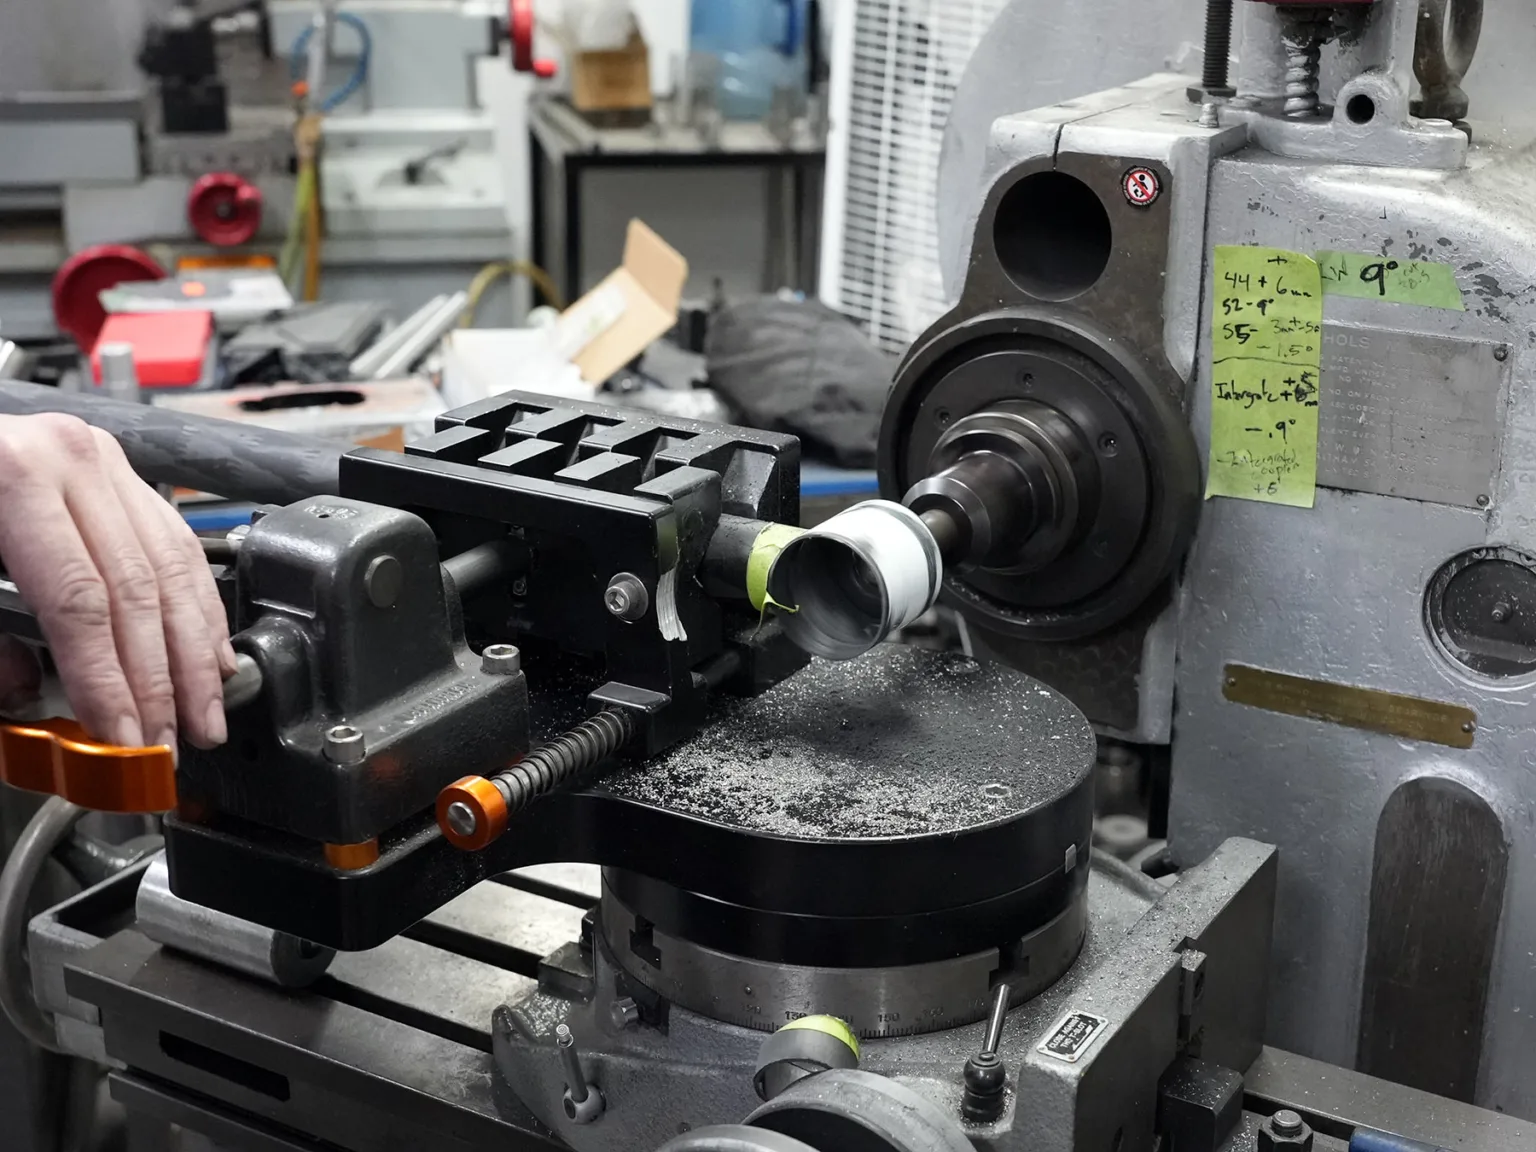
<point x="61" y="758"/>
<point x="472" y="812"/>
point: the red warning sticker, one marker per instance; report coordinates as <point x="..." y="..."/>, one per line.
<point x="1142" y="187"/>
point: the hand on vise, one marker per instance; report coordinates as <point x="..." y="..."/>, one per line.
<point x="122" y="591"/>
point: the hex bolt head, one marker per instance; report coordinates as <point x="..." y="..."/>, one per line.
<point x="626" y="597"/>
<point x="382" y="580"/>
<point x="344" y="745"/>
<point x="625" y="1013"/>
<point x="461" y="818"/>
<point x="501" y="660"/>
<point x="1285" y="1131"/>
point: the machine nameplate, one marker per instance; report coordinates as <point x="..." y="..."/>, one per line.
<point x="1073" y="1035"/>
<point x="1407" y="717"/>
<point x="1412" y="416"/>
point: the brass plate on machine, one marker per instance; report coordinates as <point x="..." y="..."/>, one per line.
<point x="1374" y="711"/>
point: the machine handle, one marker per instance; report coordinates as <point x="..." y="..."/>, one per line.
<point x="224" y="209"/>
<point x="58" y="757"/>
<point x="520" y="32"/>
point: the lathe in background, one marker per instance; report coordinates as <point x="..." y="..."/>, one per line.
<point x="171" y="128"/>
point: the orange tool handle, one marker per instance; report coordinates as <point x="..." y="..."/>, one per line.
<point x="60" y="758"/>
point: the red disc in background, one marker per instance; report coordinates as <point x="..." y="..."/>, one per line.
<point x="81" y="279"/>
<point x="224" y="209"/>
<point x="1142" y="186"/>
<point x="520" y="26"/>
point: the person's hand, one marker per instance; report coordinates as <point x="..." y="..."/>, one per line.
<point x="119" y="584"/>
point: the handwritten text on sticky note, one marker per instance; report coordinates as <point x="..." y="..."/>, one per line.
<point x="1266" y="347"/>
<point x="1426" y="283"/>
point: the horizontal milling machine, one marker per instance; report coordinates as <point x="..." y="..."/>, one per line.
<point x="575" y="797"/>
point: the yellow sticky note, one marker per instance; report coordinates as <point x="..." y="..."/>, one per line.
<point x="1426" y="283"/>
<point x="1266" y="347"/>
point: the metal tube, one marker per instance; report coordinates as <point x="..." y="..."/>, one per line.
<point x="369" y="359"/>
<point x="854" y="581"/>
<point x="575" y="1077"/>
<point x="473" y="570"/>
<point x="12" y="358"/>
<point x="91" y="860"/>
<point x="53" y="822"/>
<point x="119" y="374"/>
<point x="946" y="533"/>
<point x="1000" y="997"/>
<point x="1261" y="56"/>
<point x="245" y="685"/>
<point x="421" y="342"/>
<point x="319" y="49"/>
<point x="219" y="938"/>
<point x="724" y="571"/>
<point x="224" y="457"/>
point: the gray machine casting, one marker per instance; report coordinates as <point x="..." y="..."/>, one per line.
<point x="1157" y="969"/>
<point x="1405" y="923"/>
<point x="1049" y="434"/>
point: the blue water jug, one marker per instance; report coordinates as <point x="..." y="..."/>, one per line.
<point x="757" y="46"/>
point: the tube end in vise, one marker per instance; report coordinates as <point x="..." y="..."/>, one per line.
<point x="856" y="580"/>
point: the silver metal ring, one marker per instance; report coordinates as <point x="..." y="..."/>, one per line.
<point x="875" y="1002"/>
<point x="849" y="584"/>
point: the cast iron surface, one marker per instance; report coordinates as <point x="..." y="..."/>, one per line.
<point x="394" y="1045"/>
<point x="1129" y="975"/>
<point x="1438" y="885"/>
<point x="390" y="1050"/>
<point x="337" y="647"/>
<point x="908" y="787"/>
<point x="873" y="1000"/>
<point x="904" y="743"/>
<point x="1095" y="650"/>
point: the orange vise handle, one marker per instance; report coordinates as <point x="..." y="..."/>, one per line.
<point x="58" y="757"/>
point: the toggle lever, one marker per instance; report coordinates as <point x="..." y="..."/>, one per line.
<point x="60" y="758"/>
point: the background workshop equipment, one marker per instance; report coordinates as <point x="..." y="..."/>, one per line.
<point x="1060" y="690"/>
